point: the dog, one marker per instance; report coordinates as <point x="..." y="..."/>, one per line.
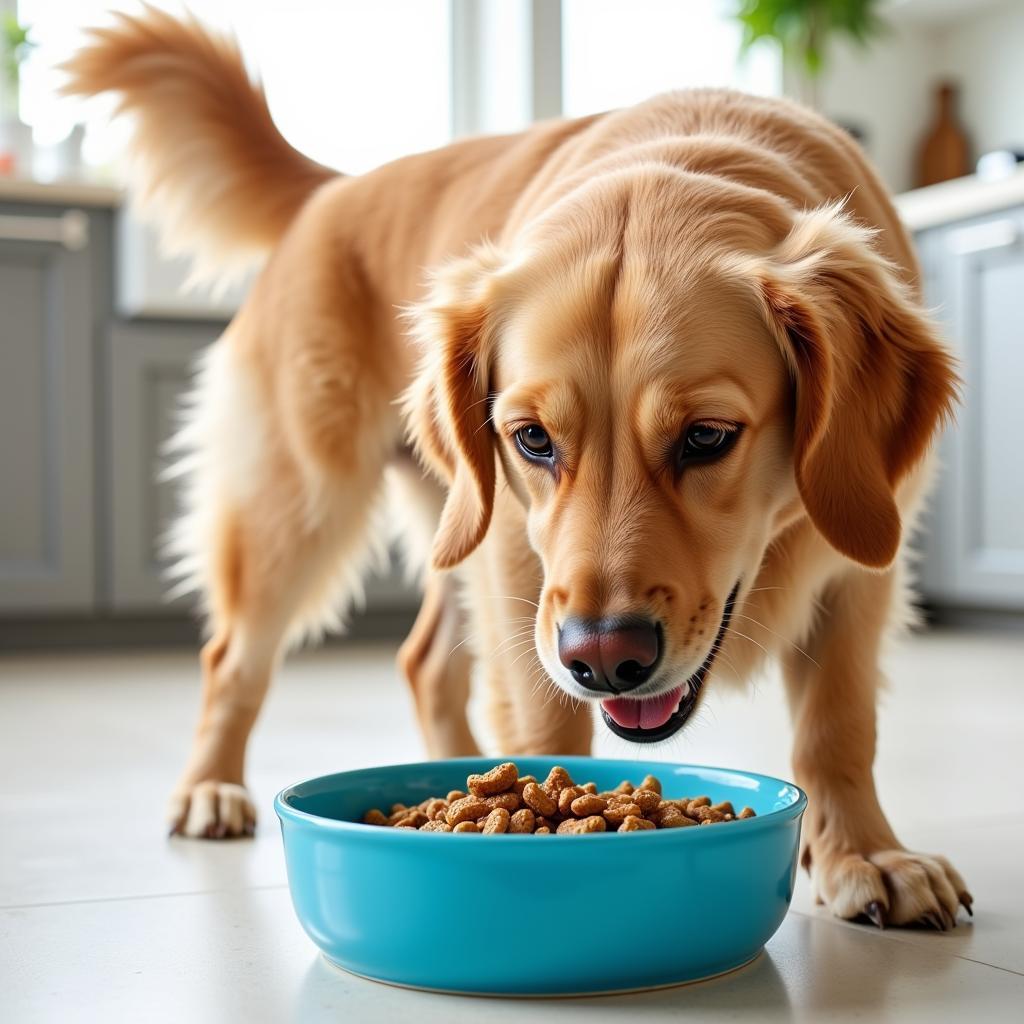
<point x="632" y="379"/>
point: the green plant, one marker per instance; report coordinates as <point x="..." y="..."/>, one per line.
<point x="803" y="28"/>
<point x="16" y="46"/>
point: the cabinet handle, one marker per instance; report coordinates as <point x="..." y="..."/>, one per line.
<point x="1000" y="234"/>
<point x="70" y="229"/>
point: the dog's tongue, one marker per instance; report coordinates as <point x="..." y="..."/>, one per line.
<point x="643" y="714"/>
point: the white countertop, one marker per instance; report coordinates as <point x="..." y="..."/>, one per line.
<point x="958" y="199"/>
<point x="59" y="193"/>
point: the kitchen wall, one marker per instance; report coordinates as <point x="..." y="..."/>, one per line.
<point x="985" y="51"/>
<point x="889" y="90"/>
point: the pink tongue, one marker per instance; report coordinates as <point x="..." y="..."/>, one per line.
<point x="643" y="714"/>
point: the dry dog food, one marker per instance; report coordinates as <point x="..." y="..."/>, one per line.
<point x="501" y="800"/>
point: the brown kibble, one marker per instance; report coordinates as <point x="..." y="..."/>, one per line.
<point x="509" y="801"/>
<point x="557" y="780"/>
<point x="468" y="808"/>
<point x="522" y="821"/>
<point x="521" y="783"/>
<point x="497" y="780"/>
<point x="651" y="782"/>
<point x="523" y="806"/>
<point x="634" y="824"/>
<point x="672" y="817"/>
<point x="538" y="800"/>
<point x="497" y="822"/>
<point x="414" y="819"/>
<point x="618" y="813"/>
<point x="646" y="799"/>
<point x="620" y="799"/>
<point x="587" y="804"/>
<point x="708" y="815"/>
<point x="436" y="826"/>
<point x="580" y="826"/>
<point x="565" y="799"/>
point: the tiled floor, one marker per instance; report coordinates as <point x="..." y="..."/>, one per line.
<point x="103" y="919"/>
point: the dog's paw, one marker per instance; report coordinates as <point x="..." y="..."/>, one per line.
<point x="892" y="887"/>
<point x="212" y="810"/>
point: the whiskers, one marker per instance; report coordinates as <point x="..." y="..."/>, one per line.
<point x="778" y="636"/>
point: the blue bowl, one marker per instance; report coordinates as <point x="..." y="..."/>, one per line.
<point x="538" y="915"/>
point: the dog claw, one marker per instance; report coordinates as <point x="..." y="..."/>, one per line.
<point x="933" y="920"/>
<point x="250" y="829"/>
<point x="876" y="912"/>
<point x="967" y="901"/>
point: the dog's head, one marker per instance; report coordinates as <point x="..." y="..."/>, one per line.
<point x="666" y="393"/>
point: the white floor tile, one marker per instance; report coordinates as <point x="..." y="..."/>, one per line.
<point x="241" y="956"/>
<point x="107" y="918"/>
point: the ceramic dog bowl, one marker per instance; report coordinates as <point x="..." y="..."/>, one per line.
<point x="538" y="915"/>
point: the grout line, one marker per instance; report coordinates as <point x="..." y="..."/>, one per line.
<point x="143" y="896"/>
<point x="896" y="934"/>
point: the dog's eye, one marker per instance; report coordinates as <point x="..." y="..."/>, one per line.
<point x="705" y="441"/>
<point x="534" y="442"/>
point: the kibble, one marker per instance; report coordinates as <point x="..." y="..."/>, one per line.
<point x="501" y="801"/>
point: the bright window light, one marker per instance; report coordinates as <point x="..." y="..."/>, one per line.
<point x="617" y="53"/>
<point x="351" y="83"/>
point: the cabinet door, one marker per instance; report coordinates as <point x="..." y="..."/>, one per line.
<point x="150" y="369"/>
<point x="46" y="413"/>
<point x="976" y="554"/>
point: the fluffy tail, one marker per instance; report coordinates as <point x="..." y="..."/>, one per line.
<point x="217" y="175"/>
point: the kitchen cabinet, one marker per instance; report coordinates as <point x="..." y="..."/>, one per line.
<point x="47" y="391"/>
<point x="974" y="278"/>
<point x="88" y="398"/>
<point x="150" y="368"/>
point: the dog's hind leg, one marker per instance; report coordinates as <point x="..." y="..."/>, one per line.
<point x="438" y="664"/>
<point x="276" y="538"/>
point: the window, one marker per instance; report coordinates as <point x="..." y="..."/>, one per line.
<point x="616" y="53"/>
<point x="351" y="83"/>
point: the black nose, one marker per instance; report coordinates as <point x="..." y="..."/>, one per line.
<point x="610" y="655"/>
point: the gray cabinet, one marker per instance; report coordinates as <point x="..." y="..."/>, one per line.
<point x="87" y="402"/>
<point x="47" y="541"/>
<point x="150" y="367"/>
<point x="974" y="273"/>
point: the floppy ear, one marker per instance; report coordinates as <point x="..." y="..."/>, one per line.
<point x="873" y="380"/>
<point x="447" y="406"/>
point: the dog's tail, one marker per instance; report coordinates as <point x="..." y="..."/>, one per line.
<point x="220" y="179"/>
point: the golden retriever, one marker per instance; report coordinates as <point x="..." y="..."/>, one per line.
<point x="665" y="369"/>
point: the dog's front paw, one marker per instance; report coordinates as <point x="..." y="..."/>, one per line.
<point x="891" y="887"/>
<point x="212" y="810"/>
